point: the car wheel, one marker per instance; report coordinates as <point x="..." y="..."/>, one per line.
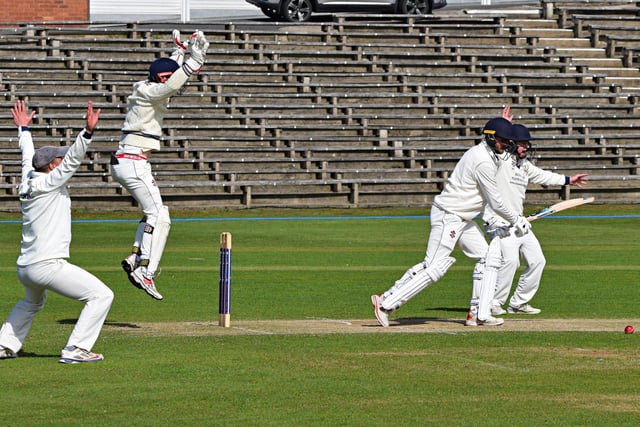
<point x="296" y="10"/>
<point x="271" y="13"/>
<point x="415" y="7"/>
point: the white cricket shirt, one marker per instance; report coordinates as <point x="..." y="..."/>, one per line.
<point x="513" y="179"/>
<point x="45" y="203"/>
<point x="472" y="186"/>
<point x="148" y="103"/>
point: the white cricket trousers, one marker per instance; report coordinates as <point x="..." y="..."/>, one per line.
<point x="137" y="178"/>
<point x="512" y="248"/>
<point x="447" y="230"/>
<point x="68" y="280"/>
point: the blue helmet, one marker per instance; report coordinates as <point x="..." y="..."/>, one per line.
<point x="161" y="69"/>
<point x="498" y="127"/>
<point x="522" y="136"/>
<point x="521" y="133"/>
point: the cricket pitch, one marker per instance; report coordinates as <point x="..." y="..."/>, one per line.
<point x="316" y="326"/>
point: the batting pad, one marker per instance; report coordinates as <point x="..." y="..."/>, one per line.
<point x="159" y="239"/>
<point x="414" y="280"/>
<point x="493" y="261"/>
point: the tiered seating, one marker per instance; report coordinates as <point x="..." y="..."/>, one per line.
<point x="358" y="111"/>
<point x="612" y="24"/>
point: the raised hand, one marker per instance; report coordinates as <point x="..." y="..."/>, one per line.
<point x="92" y="117"/>
<point x="20" y="115"/>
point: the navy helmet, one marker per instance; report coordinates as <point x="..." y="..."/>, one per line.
<point x="522" y="137"/>
<point x="498" y="127"/>
<point x="161" y="69"/>
<point x="521" y="133"/>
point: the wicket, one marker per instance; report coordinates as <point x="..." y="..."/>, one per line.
<point x="224" y="302"/>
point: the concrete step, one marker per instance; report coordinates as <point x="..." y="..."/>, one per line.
<point x="582" y="52"/>
<point x="532" y="23"/>
<point x="550" y="33"/>
<point x="616" y="72"/>
<point x="628" y="83"/>
<point x="569" y="41"/>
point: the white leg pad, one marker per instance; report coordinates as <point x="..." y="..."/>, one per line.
<point x="478" y="273"/>
<point x="493" y="262"/>
<point x="414" y="280"/>
<point x="159" y="239"/>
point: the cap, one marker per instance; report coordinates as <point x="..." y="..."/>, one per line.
<point x="45" y="155"/>
<point x="521" y="133"/>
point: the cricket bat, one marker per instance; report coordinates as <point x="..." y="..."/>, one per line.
<point x="560" y="206"/>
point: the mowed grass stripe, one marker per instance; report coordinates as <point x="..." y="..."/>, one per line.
<point x="353" y="268"/>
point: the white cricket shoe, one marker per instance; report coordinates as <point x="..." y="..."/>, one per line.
<point x="7" y="353"/>
<point x="523" y="309"/>
<point x="73" y="354"/>
<point x="472" y="317"/>
<point x="129" y="264"/>
<point x="145" y="280"/>
<point x="496" y="310"/>
<point x="490" y="321"/>
<point x="472" y="314"/>
<point x="381" y="314"/>
<point x="472" y="320"/>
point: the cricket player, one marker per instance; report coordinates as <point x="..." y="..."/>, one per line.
<point x="46" y="236"/>
<point x="518" y="171"/>
<point x="141" y="136"/>
<point x="471" y="187"/>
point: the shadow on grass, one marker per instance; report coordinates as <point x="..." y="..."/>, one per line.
<point x="409" y="321"/>
<point x="450" y="309"/>
<point x="114" y="324"/>
<point x="24" y="354"/>
<point x="413" y="321"/>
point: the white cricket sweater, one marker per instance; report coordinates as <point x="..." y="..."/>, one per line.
<point x="148" y="103"/>
<point x="513" y="179"/>
<point x="472" y="186"/>
<point x="45" y="202"/>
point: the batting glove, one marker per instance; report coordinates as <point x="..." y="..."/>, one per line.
<point x="522" y="226"/>
<point x="496" y="228"/>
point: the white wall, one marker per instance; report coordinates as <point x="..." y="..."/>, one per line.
<point x="183" y="10"/>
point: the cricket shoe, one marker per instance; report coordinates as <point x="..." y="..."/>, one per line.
<point x="7" y="353"/>
<point x="523" y="309"/>
<point x="73" y="354"/>
<point x="472" y="317"/>
<point x="145" y="280"/>
<point x="472" y="314"/>
<point x="129" y="264"/>
<point x="496" y="310"/>
<point x="381" y="314"/>
<point x="490" y="321"/>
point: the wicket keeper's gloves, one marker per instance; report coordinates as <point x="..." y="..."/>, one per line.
<point x="496" y="228"/>
<point x="199" y="46"/>
<point x="522" y="226"/>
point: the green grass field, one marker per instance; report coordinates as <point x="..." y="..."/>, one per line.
<point x="323" y="266"/>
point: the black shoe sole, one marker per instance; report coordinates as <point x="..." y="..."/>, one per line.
<point x="127" y="269"/>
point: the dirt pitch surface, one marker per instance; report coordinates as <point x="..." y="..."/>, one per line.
<point x="316" y="326"/>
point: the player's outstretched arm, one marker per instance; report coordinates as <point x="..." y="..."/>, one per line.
<point x="92" y="117"/>
<point x="20" y="115"/>
<point x="579" y="180"/>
